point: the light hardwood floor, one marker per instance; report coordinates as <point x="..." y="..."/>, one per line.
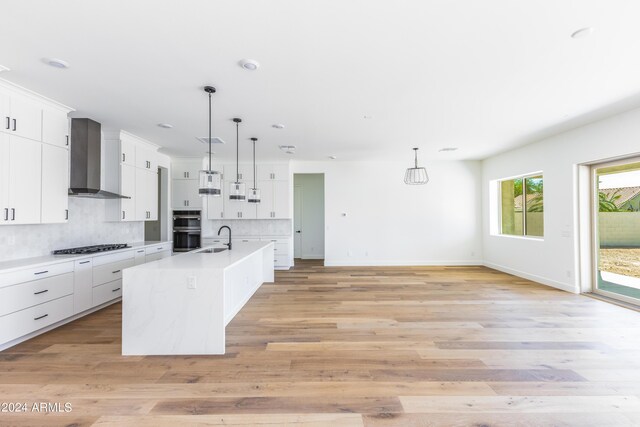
<point x="397" y="346"/>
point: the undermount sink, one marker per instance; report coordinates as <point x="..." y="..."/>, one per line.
<point x="212" y="250"/>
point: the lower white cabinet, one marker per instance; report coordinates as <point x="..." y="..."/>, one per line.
<point x="156" y="252"/>
<point x="82" y="285"/>
<point x="23" y="322"/>
<point x="107" y="292"/>
<point x="28" y="294"/>
<point x="139" y="257"/>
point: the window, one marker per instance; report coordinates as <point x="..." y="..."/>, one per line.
<point x="521" y="206"/>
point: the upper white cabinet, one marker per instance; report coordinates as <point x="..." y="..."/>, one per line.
<point x="55" y="182"/>
<point x="186" y="169"/>
<point x="271" y="172"/>
<point x="34" y="161"/>
<point x="244" y="173"/>
<point x="215" y="207"/>
<point x="274" y="203"/>
<point x="55" y="127"/>
<point x="23" y="117"/>
<point x="239" y="210"/>
<point x="131" y="165"/>
<point x="20" y="180"/>
<point x="185" y="194"/>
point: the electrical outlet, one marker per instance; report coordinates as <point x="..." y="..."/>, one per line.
<point x="191" y="282"/>
<point x="350" y="252"/>
<point x="569" y="273"/>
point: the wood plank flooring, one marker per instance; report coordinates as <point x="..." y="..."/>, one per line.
<point x="396" y="346"/>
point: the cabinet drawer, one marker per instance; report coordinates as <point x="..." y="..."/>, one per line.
<point x="110" y="272"/>
<point x="24" y="295"/>
<point x="139" y="256"/>
<point x="157" y="248"/>
<point x="29" y="274"/>
<point x="107" y="259"/>
<point x="25" y="321"/>
<point x="281" y="260"/>
<point x="107" y="292"/>
<point x="281" y="248"/>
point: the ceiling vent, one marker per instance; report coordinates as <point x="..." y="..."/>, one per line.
<point x="214" y="140"/>
<point x="289" y="149"/>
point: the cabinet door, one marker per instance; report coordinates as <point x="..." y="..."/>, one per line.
<point x="141" y="195"/>
<point x="185" y="194"/>
<point x="248" y="210"/>
<point x="128" y="188"/>
<point x="5" y="113"/>
<point x="215" y="207"/>
<point x="265" y="207"/>
<point x="25" y="185"/>
<point x="271" y="172"/>
<point x="4" y="178"/>
<point x="55" y="127"/>
<point x="185" y="170"/>
<point x="281" y="199"/>
<point x="26" y="118"/>
<point x="82" y="285"/>
<point x="146" y="158"/>
<point x="55" y="184"/>
<point x="127" y="151"/>
<point x="152" y="195"/>
<point x="244" y="173"/>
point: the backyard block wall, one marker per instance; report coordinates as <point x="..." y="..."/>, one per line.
<point x="535" y="223"/>
<point x="619" y="229"/>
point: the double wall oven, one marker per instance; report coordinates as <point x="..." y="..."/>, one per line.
<point x="186" y="230"/>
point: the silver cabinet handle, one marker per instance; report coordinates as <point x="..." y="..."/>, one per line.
<point x="221" y="214"/>
<point x="41" y="272"/>
<point x="6" y="214"/>
<point x="15" y="125"/>
<point x="66" y="214"/>
<point x="140" y="251"/>
<point x="159" y="249"/>
<point x="117" y="271"/>
<point x="41" y="292"/>
<point x="84" y="262"/>
<point x="123" y="157"/>
<point x="67" y="142"/>
<point x="13" y="214"/>
<point x="115" y="290"/>
<point x="40" y="317"/>
<point x="8" y="122"/>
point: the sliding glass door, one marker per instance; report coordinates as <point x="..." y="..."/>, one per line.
<point x="616" y="229"/>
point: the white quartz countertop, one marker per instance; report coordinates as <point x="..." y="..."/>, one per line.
<point x="206" y="261"/>
<point x="17" y="264"/>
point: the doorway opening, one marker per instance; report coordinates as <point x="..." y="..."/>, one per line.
<point x="616" y="229"/>
<point x="308" y="217"/>
<point x="159" y="230"/>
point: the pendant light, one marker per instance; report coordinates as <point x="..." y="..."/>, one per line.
<point x="416" y="175"/>
<point x="236" y="189"/>
<point x="209" y="179"/>
<point x="254" y="193"/>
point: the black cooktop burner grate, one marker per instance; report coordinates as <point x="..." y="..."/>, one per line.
<point x="91" y="249"/>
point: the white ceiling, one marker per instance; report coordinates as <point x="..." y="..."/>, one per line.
<point x="483" y="76"/>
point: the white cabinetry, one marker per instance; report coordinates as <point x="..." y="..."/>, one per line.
<point x="132" y="168"/>
<point x="55" y="127"/>
<point x="22" y="116"/>
<point x="239" y="210"/>
<point x="55" y="182"/>
<point x="278" y="172"/>
<point x="184" y="184"/>
<point x="274" y="203"/>
<point x="244" y="173"/>
<point x="20" y="180"/>
<point x="215" y="207"/>
<point x="82" y="285"/>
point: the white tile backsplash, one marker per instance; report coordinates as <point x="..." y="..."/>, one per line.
<point x="86" y="226"/>
<point x="248" y="227"/>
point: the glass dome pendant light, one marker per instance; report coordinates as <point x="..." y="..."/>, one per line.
<point x="416" y="175"/>
<point x="254" y="193"/>
<point x="237" y="188"/>
<point x="210" y="184"/>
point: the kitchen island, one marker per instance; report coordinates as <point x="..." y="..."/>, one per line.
<point x="182" y="304"/>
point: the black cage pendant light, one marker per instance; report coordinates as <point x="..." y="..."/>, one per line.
<point x="210" y="184"/>
<point x="416" y="175"/>
<point x="254" y="193"/>
<point x="237" y="188"/>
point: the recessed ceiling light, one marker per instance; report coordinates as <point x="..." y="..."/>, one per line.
<point x="3" y="68"/>
<point x="165" y="125"/>
<point x="582" y="33"/>
<point x="289" y="149"/>
<point x="368" y="117"/>
<point x="448" y="149"/>
<point x="278" y="126"/>
<point x="332" y="157"/>
<point x="55" y="62"/>
<point x="249" y="64"/>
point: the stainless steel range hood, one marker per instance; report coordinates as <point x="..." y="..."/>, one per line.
<point x="86" y="157"/>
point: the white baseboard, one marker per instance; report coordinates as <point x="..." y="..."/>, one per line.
<point x="313" y="256"/>
<point x="397" y="263"/>
<point x="535" y="278"/>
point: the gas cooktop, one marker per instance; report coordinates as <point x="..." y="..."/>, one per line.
<point x="91" y="249"/>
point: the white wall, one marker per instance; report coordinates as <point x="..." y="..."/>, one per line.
<point x="554" y="260"/>
<point x="312" y="214"/>
<point x="391" y="223"/>
<point x="86" y="226"/>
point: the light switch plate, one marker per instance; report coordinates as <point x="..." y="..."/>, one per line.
<point x="191" y="282"/>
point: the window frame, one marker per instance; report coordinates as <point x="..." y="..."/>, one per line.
<point x="524" y="177"/>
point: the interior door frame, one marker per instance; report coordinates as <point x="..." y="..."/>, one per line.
<point x="297" y="196"/>
<point x="595" y="243"/>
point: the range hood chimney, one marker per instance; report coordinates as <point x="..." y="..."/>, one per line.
<point x="86" y="149"/>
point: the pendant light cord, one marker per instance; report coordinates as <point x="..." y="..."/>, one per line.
<point x="415" y="150"/>
<point x="254" y="164"/>
<point x="209" y="131"/>
<point x="237" y="153"/>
